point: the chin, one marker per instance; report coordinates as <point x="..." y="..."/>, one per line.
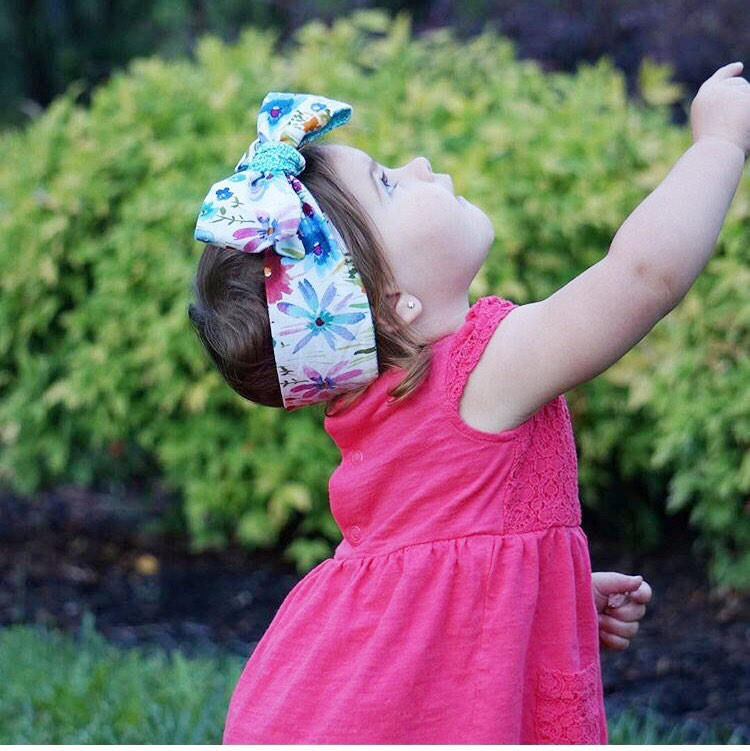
<point x="490" y="231"/>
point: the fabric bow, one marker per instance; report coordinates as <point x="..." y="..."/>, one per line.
<point x="232" y="215"/>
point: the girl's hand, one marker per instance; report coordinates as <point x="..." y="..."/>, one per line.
<point x="620" y="602"/>
<point x="722" y="107"/>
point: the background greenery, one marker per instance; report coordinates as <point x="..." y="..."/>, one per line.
<point x="101" y="376"/>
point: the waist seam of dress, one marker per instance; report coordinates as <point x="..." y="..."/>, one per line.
<point x="455" y="537"/>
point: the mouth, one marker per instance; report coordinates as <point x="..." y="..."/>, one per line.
<point x="450" y="184"/>
<point x="449" y="180"/>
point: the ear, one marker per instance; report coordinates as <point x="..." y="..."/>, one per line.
<point x="400" y="302"/>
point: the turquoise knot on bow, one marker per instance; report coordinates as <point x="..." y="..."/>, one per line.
<point x="277" y="157"/>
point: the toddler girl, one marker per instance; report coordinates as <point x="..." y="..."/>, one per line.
<point x="458" y="607"/>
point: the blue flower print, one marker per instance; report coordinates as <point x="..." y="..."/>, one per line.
<point x="223" y="193"/>
<point x="207" y="210"/>
<point x="320" y="319"/>
<point x="204" y="235"/>
<point x="317" y="106"/>
<point x="258" y="185"/>
<point x="276" y="108"/>
<point x="320" y="255"/>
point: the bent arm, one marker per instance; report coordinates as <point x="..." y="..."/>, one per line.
<point x="545" y="348"/>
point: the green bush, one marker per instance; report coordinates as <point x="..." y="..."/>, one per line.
<point x="99" y="369"/>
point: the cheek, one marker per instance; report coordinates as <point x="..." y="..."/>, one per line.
<point x="433" y="224"/>
<point x="439" y="209"/>
<point x="467" y="236"/>
<point x="452" y="224"/>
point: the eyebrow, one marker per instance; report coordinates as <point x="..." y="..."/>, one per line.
<point x="372" y="166"/>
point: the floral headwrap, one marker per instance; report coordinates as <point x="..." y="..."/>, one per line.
<point x="321" y="322"/>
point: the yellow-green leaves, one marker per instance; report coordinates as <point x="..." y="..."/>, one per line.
<point x="97" y="210"/>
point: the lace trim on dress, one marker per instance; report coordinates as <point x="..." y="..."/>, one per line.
<point x="481" y="321"/>
<point x="543" y="483"/>
<point x="542" y="488"/>
<point x="567" y="705"/>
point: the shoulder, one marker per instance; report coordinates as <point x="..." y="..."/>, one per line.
<point x="481" y="321"/>
<point x="484" y="394"/>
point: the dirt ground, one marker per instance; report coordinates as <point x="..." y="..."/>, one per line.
<point x="73" y="550"/>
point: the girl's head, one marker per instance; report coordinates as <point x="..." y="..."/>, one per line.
<point x="415" y="245"/>
<point x="433" y="241"/>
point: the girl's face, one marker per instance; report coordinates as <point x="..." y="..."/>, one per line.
<point x="434" y="240"/>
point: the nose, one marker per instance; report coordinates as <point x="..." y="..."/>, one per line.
<point x="423" y="166"/>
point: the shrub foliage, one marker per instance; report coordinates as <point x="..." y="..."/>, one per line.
<point x="100" y="372"/>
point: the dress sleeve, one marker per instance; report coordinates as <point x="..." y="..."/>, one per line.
<point x="471" y="339"/>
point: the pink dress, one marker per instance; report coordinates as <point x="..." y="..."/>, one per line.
<point x="458" y="607"/>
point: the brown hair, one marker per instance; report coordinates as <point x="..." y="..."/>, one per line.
<point x="231" y="313"/>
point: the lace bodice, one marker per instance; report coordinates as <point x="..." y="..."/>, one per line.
<point x="542" y="488"/>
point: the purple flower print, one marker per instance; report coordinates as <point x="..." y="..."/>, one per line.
<point x="271" y="230"/>
<point x="320" y="319"/>
<point x="318" y="383"/>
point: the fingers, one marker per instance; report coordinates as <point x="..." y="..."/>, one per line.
<point x="612" y="641"/>
<point x="616" y="627"/>
<point x="726" y="71"/>
<point x="631" y="611"/>
<point x="616" y="601"/>
<point x="611" y="582"/>
<point x="642" y="594"/>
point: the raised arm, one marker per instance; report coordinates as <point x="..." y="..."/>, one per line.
<point x="672" y="233"/>
<point x="545" y="348"/>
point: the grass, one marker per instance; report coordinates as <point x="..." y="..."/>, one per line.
<point x="56" y="689"/>
<point x="629" y="728"/>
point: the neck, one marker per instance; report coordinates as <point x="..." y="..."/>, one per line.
<point x="439" y="319"/>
